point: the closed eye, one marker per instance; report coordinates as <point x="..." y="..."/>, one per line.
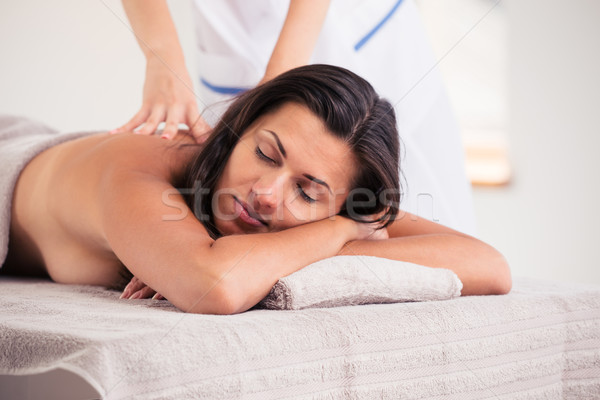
<point x="263" y="157"/>
<point x="269" y="160"/>
<point x="306" y="197"/>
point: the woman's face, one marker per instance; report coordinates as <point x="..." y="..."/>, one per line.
<point x="286" y="170"/>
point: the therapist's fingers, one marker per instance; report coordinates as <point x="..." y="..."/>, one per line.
<point x="174" y="116"/>
<point x="134" y="122"/>
<point x="156" y="117"/>
<point x="199" y="129"/>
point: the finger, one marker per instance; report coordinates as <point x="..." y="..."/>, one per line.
<point x="146" y="292"/>
<point x="379" y="234"/>
<point x="171" y="127"/>
<point x="156" y="117"/>
<point x="134" y="122"/>
<point x="198" y="127"/>
<point x="143" y="293"/>
<point x="135" y="295"/>
<point x="158" y="296"/>
<point x="134" y="285"/>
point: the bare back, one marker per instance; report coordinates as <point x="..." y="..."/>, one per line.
<point x="56" y="227"/>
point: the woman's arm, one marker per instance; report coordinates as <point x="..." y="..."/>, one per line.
<point x="298" y="36"/>
<point x="251" y="264"/>
<point x="152" y="231"/>
<point x="480" y="267"/>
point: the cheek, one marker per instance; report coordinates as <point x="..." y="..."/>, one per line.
<point x="237" y="169"/>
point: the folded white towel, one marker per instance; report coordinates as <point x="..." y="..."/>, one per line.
<point x="351" y="280"/>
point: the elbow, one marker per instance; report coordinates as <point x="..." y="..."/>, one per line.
<point x="213" y="288"/>
<point x="216" y="299"/>
<point x="217" y="305"/>
<point x="220" y="302"/>
<point x="491" y="277"/>
<point x="223" y="305"/>
<point x="502" y="276"/>
<point x="227" y="300"/>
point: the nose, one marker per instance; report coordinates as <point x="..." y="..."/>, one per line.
<point x="268" y="192"/>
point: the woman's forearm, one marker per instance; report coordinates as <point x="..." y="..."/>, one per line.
<point x="154" y="29"/>
<point x="481" y="268"/>
<point x="249" y="265"/>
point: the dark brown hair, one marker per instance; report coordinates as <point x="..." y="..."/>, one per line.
<point x="350" y="109"/>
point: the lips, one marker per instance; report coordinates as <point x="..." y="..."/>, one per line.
<point x="248" y="215"/>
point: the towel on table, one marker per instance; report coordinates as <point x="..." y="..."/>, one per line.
<point x="21" y="139"/>
<point x="541" y="341"/>
<point x="352" y="280"/>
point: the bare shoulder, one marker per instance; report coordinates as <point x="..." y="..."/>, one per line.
<point x="149" y="154"/>
<point x="103" y="204"/>
<point x="138" y="212"/>
<point x="81" y="171"/>
<point x="147" y="224"/>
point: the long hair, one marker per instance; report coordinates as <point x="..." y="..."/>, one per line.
<point x="350" y="109"/>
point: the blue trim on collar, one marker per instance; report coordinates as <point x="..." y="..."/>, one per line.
<point x="368" y="36"/>
<point x="223" y="89"/>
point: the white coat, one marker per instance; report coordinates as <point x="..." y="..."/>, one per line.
<point x="381" y="40"/>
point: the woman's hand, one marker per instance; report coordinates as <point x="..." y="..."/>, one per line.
<point x="369" y="230"/>
<point x="168" y="97"/>
<point x="379" y="234"/>
<point x="137" y="289"/>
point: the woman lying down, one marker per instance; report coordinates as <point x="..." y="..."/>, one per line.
<point x="299" y="169"/>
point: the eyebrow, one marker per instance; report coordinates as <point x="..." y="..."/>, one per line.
<point x="282" y="150"/>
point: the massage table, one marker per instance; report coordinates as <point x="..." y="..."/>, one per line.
<point x="540" y="341"/>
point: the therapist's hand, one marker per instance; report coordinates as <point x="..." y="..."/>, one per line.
<point x="168" y="97"/>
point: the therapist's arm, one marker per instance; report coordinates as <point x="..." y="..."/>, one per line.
<point x="298" y="36"/>
<point x="168" y="89"/>
<point x="480" y="267"/>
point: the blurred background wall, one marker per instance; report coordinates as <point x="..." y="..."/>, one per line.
<point x="547" y="220"/>
<point x="531" y="79"/>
